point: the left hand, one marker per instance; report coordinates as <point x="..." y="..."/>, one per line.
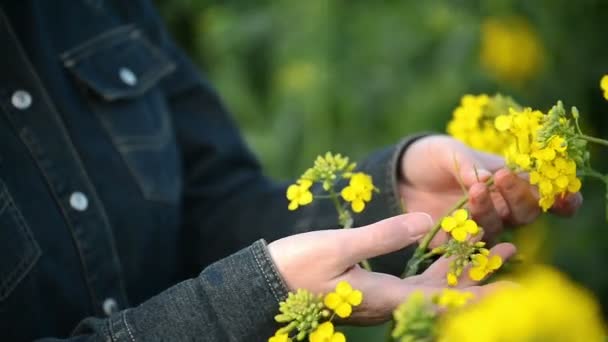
<point x="433" y="167"/>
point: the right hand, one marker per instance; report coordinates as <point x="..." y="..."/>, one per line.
<point x="318" y="260"/>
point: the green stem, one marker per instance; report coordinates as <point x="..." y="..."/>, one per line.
<point x="414" y="263"/>
<point x="345" y="221"/>
<point x="594" y="139"/>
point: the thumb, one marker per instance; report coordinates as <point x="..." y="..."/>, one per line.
<point x="472" y="166"/>
<point x="384" y="237"/>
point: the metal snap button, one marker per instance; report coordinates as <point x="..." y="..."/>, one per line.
<point x="127" y="76"/>
<point x="21" y="99"/>
<point x="79" y="201"/>
<point x="109" y="306"/>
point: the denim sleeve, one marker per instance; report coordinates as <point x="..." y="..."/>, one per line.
<point x="234" y="299"/>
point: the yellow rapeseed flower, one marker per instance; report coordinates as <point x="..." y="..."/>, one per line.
<point x="358" y="191"/>
<point x="459" y="225"/>
<point x="547" y="160"/>
<point x="546" y="307"/>
<point x="299" y="194"/>
<point x="511" y="50"/>
<point x="325" y="333"/>
<point x="452" y="299"/>
<point x="279" y="338"/>
<point x="472" y="122"/>
<point x="452" y="279"/>
<point x="343" y="299"/>
<point x="604" y="86"/>
<point x="484" y="265"/>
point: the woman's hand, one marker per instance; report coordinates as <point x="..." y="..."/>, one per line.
<point x="433" y="167"/>
<point x="318" y="260"/>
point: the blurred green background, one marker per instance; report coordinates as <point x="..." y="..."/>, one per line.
<point x="304" y="77"/>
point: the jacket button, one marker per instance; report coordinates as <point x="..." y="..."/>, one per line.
<point x="127" y="76"/>
<point x="79" y="201"/>
<point x="21" y="99"/>
<point x="109" y="306"/>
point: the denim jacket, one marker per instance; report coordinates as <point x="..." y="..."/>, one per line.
<point x="122" y="177"/>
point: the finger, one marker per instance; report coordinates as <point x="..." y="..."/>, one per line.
<point x="464" y="164"/>
<point x="568" y="205"/>
<point x="504" y="250"/>
<point x="483" y="211"/>
<point x="382" y="293"/>
<point x="519" y="197"/>
<point x="469" y="165"/>
<point x="383" y="237"/>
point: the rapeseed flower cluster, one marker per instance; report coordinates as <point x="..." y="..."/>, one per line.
<point x="473" y="122"/>
<point x="416" y="318"/>
<point x="546" y="146"/>
<point x="310" y="315"/>
<point x="459" y="225"/>
<point x="332" y="171"/>
<point x="546" y="307"/>
<point x="464" y="252"/>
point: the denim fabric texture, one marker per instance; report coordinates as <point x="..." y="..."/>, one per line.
<point x="130" y="208"/>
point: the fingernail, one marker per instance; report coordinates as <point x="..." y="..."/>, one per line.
<point x="483" y="174"/>
<point x="418" y="224"/>
<point x="575" y="201"/>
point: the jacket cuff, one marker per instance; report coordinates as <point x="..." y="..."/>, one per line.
<point x="384" y="167"/>
<point x="234" y="299"/>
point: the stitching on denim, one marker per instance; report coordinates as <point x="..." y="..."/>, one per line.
<point x="74" y="55"/>
<point x="266" y="277"/>
<point x="124" y="320"/>
<point x="32" y="249"/>
<point x="273" y="269"/>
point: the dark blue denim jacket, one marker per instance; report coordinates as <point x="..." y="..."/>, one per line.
<point x="122" y="177"/>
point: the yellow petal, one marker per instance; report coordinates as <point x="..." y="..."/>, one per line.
<point x="343" y="310"/>
<point x="502" y="122"/>
<point x="305" y="183"/>
<point x="604" y="83"/>
<point x="343" y="288"/>
<point x="480" y="260"/>
<point x="355" y="298"/>
<point x="305" y="198"/>
<point x="338" y="337"/>
<point x="477" y="273"/>
<point x="358" y="206"/>
<point x="471" y="227"/>
<point x="332" y="300"/>
<point x="452" y="279"/>
<point x="495" y="262"/>
<point x="459" y="234"/>
<point x="348" y="194"/>
<point x="561" y="182"/>
<point x="326" y="329"/>
<point x="574" y="185"/>
<point x="292" y="192"/>
<point x="534" y="177"/>
<point x="448" y="223"/>
<point x="293" y="205"/>
<point x="460" y="215"/>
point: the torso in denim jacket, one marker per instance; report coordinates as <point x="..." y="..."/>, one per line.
<point x="121" y="173"/>
<point x="90" y="179"/>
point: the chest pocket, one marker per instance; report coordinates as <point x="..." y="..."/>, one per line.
<point x="120" y="71"/>
<point x="19" y="249"/>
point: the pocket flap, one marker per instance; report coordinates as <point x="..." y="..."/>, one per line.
<point x="118" y="64"/>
